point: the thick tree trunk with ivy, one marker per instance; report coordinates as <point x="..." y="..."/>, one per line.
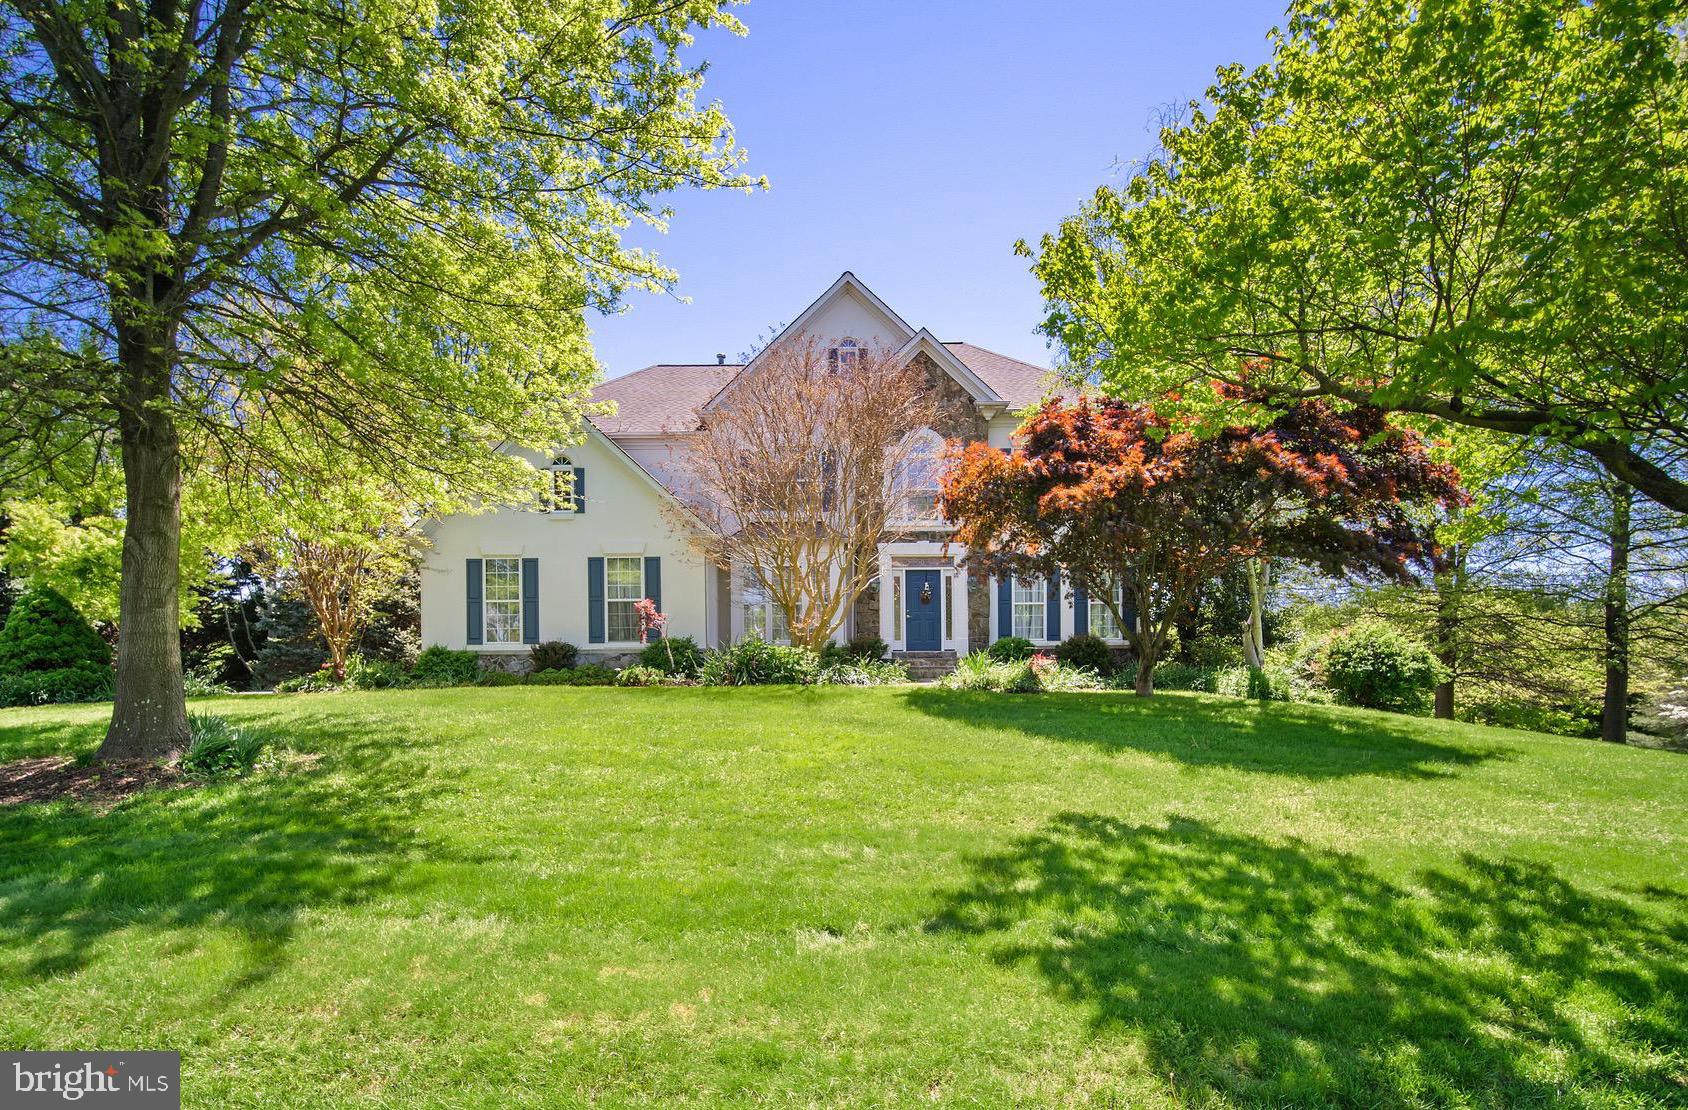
<point x="1614" y="709"/>
<point x="149" y="715"/>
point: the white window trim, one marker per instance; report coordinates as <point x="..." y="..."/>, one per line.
<point x="741" y="584"/>
<point x="1094" y="604"/>
<point x="486" y="604"/>
<point x="998" y="632"/>
<point x="846" y="344"/>
<point x="640" y="560"/>
<point x="561" y="464"/>
<point x="1040" y="608"/>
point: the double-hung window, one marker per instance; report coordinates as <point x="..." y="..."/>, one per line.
<point x="565" y="487"/>
<point x="1102" y="622"/>
<point x="624" y="587"/>
<point x="763" y="617"/>
<point x="1031" y="610"/>
<point x="501" y="600"/>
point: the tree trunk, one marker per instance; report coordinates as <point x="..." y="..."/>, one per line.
<point x="1145" y="677"/>
<point x="1254" y="634"/>
<point x="149" y="717"/>
<point x="1614" y="709"/>
<point x="1450" y="594"/>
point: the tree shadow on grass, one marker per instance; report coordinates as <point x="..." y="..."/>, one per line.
<point x="1283" y="974"/>
<point x="1275" y="737"/>
<point x="248" y="857"/>
<point x="27" y="739"/>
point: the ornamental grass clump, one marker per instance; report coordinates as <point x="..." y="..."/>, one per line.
<point x="220" y="748"/>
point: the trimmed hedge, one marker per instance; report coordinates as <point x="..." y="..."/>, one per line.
<point x="676" y="655"/>
<point x="1087" y="651"/>
<point x="1375" y="666"/>
<point x="1011" y="649"/>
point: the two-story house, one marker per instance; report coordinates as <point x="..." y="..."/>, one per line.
<point x="502" y="580"/>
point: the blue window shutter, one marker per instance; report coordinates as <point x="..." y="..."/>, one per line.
<point x="1128" y="614"/>
<point x="474" y="578"/>
<point x="530" y="601"/>
<point x="595" y="600"/>
<point x="1052" y="608"/>
<point x="1081" y="613"/>
<point x="1004" y="607"/>
<point x="653" y="587"/>
<point x="580" y="489"/>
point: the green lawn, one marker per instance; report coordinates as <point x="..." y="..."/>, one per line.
<point x="549" y="896"/>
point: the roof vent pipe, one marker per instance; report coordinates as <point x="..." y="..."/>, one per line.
<point x="720" y="360"/>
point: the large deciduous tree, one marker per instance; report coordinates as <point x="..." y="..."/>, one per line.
<point x="1107" y="493"/>
<point x="802" y="467"/>
<point x="1475" y="210"/>
<point x="383" y="221"/>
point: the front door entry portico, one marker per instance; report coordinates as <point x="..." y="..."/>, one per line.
<point x="923" y="608"/>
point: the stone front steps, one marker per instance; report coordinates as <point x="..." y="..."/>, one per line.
<point x="926" y="666"/>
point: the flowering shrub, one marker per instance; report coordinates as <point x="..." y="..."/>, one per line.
<point x="649" y="619"/>
<point x="979" y="671"/>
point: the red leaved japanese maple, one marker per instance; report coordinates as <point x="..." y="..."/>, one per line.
<point x="1108" y="492"/>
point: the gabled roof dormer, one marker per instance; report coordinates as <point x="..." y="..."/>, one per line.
<point x="849" y="308"/>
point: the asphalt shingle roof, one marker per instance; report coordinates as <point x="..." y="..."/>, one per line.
<point x="665" y="399"/>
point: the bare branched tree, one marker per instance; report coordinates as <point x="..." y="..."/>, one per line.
<point x="801" y="468"/>
<point x="341" y="575"/>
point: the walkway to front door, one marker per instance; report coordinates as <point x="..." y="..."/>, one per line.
<point x="923" y="601"/>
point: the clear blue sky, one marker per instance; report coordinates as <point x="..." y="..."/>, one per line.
<point x="912" y="141"/>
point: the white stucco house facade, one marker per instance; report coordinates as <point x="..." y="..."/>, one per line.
<point x="500" y="581"/>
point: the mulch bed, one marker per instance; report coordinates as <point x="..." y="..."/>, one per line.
<point x="59" y="778"/>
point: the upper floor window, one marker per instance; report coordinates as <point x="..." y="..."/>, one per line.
<point x="844" y="355"/>
<point x="916" y="480"/>
<point x="565" y="487"/>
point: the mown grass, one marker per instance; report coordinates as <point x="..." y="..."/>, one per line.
<point x="555" y="896"/>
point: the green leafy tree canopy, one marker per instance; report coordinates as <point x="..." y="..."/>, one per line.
<point x="377" y="225"/>
<point x="1471" y="210"/>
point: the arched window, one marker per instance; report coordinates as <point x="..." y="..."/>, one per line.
<point x="917" y="478"/>
<point x="566" y="491"/>
<point x="843" y="356"/>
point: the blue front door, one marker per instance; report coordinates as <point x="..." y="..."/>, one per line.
<point x="923" y="610"/>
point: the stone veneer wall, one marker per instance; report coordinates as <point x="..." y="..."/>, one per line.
<point x="521" y="662"/>
<point x="867" y="612"/>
